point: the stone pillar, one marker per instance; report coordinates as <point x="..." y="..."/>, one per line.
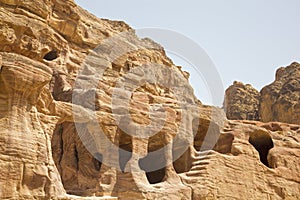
<point x="171" y="175"/>
<point x="27" y="167"/>
<point x="139" y="150"/>
<point x="107" y="145"/>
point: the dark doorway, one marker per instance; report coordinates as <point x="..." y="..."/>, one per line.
<point x="262" y="142"/>
<point x="52" y="55"/>
<point x="151" y="162"/>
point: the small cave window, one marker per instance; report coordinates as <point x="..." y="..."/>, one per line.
<point x="155" y="162"/>
<point x="224" y="143"/>
<point x="262" y="142"/>
<point x="184" y="162"/>
<point x="151" y="162"/>
<point x="52" y="55"/>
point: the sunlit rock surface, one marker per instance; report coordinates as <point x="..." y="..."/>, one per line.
<point x="53" y="106"/>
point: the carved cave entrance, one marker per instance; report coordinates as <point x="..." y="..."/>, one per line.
<point x="154" y="160"/>
<point x="262" y="142"/>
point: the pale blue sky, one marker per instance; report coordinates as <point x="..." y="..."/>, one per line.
<point x="247" y="40"/>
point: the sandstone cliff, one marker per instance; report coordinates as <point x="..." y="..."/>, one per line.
<point x="62" y="70"/>
<point x="278" y="101"/>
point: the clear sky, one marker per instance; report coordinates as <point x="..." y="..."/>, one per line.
<point x="247" y="40"/>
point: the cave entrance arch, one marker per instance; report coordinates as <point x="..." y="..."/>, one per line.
<point x="154" y="160"/>
<point x="262" y="142"/>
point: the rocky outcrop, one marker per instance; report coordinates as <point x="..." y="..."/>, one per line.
<point x="27" y="167"/>
<point x="48" y="52"/>
<point x="280" y="101"/>
<point x="259" y="164"/>
<point x="26" y="163"/>
<point x="241" y="102"/>
<point x="89" y="109"/>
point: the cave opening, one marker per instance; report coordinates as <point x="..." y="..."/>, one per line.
<point x="73" y="161"/>
<point x="154" y="163"/>
<point x="262" y="142"/>
<point x="125" y="149"/>
<point x="206" y="134"/>
<point x="156" y="176"/>
<point x="52" y="55"/>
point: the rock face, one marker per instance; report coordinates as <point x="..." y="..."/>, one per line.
<point x="27" y="166"/>
<point x="241" y="102"/>
<point x="280" y="101"/>
<point x="79" y="96"/>
<point x="259" y="164"/>
<point x="51" y="53"/>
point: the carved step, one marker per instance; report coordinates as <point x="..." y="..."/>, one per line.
<point x="203" y="180"/>
<point x="195" y="173"/>
<point x="226" y="131"/>
<point x="200" y="162"/>
<point x="199" y="167"/>
<point x="205" y="153"/>
<point x="199" y="158"/>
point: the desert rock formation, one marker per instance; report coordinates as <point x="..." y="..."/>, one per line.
<point x="79" y="96"/>
<point x="241" y="102"/>
<point x="259" y="164"/>
<point x="280" y="101"/>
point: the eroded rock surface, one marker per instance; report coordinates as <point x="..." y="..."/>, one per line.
<point x="44" y="46"/>
<point x="258" y="165"/>
<point x="62" y="80"/>
<point x="280" y="101"/>
<point x="241" y="102"/>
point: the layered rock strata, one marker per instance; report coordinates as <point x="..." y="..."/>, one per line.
<point x="80" y="95"/>
<point x="278" y="101"/>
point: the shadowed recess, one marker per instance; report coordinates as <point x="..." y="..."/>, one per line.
<point x="52" y="55"/>
<point x="262" y="142"/>
<point x="153" y="161"/>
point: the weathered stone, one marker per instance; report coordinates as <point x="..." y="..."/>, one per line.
<point x="280" y="99"/>
<point x="241" y="102"/>
<point x="258" y="166"/>
<point x="53" y="106"/>
<point x="51" y="41"/>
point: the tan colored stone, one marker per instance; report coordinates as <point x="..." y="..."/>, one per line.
<point x="280" y="99"/>
<point x="241" y="173"/>
<point x="43" y="154"/>
<point x="241" y="102"/>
